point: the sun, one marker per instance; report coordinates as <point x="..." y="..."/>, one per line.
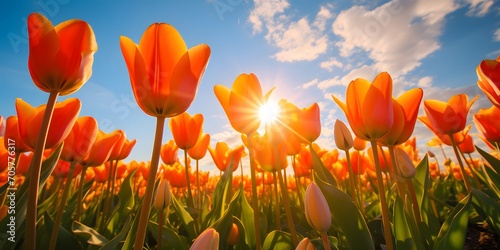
<point x="269" y="112"/>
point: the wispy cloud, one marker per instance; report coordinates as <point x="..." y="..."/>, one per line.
<point x="301" y="40"/>
<point x="479" y="8"/>
<point x="496" y="35"/>
<point x="330" y="64"/>
<point x="309" y="84"/>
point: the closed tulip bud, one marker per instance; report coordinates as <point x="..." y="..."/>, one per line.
<point x="162" y="197"/>
<point x="431" y="154"/>
<point x="343" y="137"/>
<point x="405" y="164"/>
<point x="317" y="210"/>
<point x="208" y="240"/>
<point x="305" y="244"/>
<point x="233" y="236"/>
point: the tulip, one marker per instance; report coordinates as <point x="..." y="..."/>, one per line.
<point x="359" y="144"/>
<point x="488" y="72"/>
<point x="30" y="119"/>
<point x="208" y="240"/>
<point x="163" y="196"/>
<point x="12" y="132"/>
<point x="242" y="102"/>
<point x="168" y="152"/>
<point x="405" y="116"/>
<point x="305" y="244"/>
<point x="369" y="106"/>
<point x="101" y="149"/>
<point x="222" y="155"/>
<point x="317" y="210"/>
<point x="267" y="157"/>
<point x="488" y="123"/>
<point x="467" y="145"/>
<point x="200" y="148"/>
<point x="60" y="58"/>
<point x="404" y="163"/>
<point x="303" y="123"/>
<point x="186" y="129"/>
<point x="343" y="137"/>
<point x="233" y="236"/>
<point x="79" y="141"/>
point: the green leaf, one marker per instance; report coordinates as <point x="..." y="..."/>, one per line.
<point x="91" y="235"/>
<point x="117" y="240"/>
<point x="488" y="206"/>
<point x="65" y="239"/>
<point x="347" y="216"/>
<point x="278" y="240"/>
<point x="453" y="230"/>
<point x="242" y="244"/>
<point x="401" y="230"/>
<point x="125" y="205"/>
<point x="321" y="171"/>
<point x="494" y="162"/>
<point x="221" y="193"/>
<point x="185" y="218"/>
<point x="170" y="237"/>
<point x="247" y="220"/>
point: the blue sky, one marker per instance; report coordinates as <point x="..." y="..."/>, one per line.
<point x="308" y="50"/>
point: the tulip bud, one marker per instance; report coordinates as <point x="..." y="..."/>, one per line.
<point x="233" y="236"/>
<point x="208" y="240"/>
<point x="305" y="244"/>
<point x="317" y="210"/>
<point x="431" y="154"/>
<point x="162" y="197"/>
<point x="343" y="137"/>
<point x="405" y="164"/>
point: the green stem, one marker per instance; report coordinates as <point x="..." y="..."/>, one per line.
<point x="383" y="201"/>
<point x="284" y="192"/>
<point x="150" y="186"/>
<point x="255" y="201"/>
<point x="277" y="202"/>
<point x="80" y="194"/>
<point x="62" y="204"/>
<point x="35" y="167"/>
<point x="351" y="179"/>
<point x="460" y="163"/>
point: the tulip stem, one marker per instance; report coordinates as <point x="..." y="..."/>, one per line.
<point x="150" y="186"/>
<point x="381" y="194"/>
<point x="277" y="202"/>
<point x="62" y="204"/>
<point x="255" y="201"/>
<point x="326" y="242"/>
<point x="460" y="163"/>
<point x="351" y="179"/>
<point x="284" y="192"/>
<point x="80" y="194"/>
<point x="190" y="194"/>
<point x="161" y="219"/>
<point x="35" y="167"/>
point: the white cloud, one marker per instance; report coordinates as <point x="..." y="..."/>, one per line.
<point x="496" y="35"/>
<point x="330" y="64"/>
<point x="479" y="8"/>
<point x="365" y="71"/>
<point x="309" y="83"/>
<point x="396" y="35"/>
<point x="299" y="40"/>
<point x="425" y="82"/>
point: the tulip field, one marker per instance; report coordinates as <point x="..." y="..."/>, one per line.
<point x="66" y="184"/>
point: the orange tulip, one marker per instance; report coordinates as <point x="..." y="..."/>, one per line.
<point x="61" y="57"/>
<point x="242" y="102"/>
<point x="444" y="138"/>
<point x="488" y="72"/>
<point x="467" y="145"/>
<point x="359" y="144"/>
<point x="447" y="117"/>
<point x="101" y="149"/>
<point x="488" y="123"/>
<point x="405" y="116"/>
<point x="186" y="129"/>
<point x="369" y="106"/>
<point x="30" y="119"/>
<point x="79" y="141"/>
<point x="305" y="124"/>
<point x="12" y="132"/>
<point x="164" y="74"/>
<point x="222" y="155"/>
<point x="61" y="169"/>
<point x="265" y="155"/>
<point x="23" y="163"/>
<point x="200" y="148"/>
<point x="168" y="152"/>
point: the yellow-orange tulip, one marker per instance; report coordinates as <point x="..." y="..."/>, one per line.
<point x="222" y="155"/>
<point x="164" y="74"/>
<point x="101" y="149"/>
<point x="79" y="141"/>
<point x="447" y="117"/>
<point x="61" y="57"/>
<point x="242" y="102"/>
<point x="405" y="116"/>
<point x="487" y="123"/>
<point x="369" y="107"/>
<point x="168" y="152"/>
<point x="200" y="148"/>
<point x="186" y="129"/>
<point x="30" y="119"/>
<point x="488" y="72"/>
<point x="317" y="209"/>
